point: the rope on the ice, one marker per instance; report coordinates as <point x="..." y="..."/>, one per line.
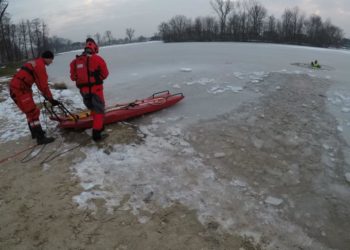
<point x="26" y="158"/>
<point x="18" y="153"/>
<point x="53" y="156"/>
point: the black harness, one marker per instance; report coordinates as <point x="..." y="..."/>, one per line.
<point x="24" y="87"/>
<point x="28" y="70"/>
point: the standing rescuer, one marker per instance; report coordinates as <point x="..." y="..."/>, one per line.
<point x="21" y="92"/>
<point x="89" y="70"/>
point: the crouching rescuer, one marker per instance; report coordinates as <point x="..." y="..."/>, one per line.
<point x="89" y="70"/>
<point x="21" y="92"/>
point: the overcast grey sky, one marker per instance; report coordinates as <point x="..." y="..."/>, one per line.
<point x="75" y="19"/>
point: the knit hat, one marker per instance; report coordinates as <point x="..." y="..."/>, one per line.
<point x="47" y="54"/>
<point x="89" y="39"/>
<point x="91" y="46"/>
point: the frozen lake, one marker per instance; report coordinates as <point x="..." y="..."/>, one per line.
<point x="209" y="74"/>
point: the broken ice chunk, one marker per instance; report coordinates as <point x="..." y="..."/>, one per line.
<point x="219" y="155"/>
<point x="273" y="201"/>
<point x="347" y="177"/>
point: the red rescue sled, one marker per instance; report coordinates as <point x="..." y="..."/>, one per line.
<point x="116" y="113"/>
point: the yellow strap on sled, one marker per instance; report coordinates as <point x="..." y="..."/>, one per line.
<point x="81" y="115"/>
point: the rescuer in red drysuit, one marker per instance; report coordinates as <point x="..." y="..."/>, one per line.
<point x="89" y="70"/>
<point x="21" y="92"/>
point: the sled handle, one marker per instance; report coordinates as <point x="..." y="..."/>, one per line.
<point x="180" y="94"/>
<point x="65" y="111"/>
<point x="161" y="92"/>
<point x="51" y="111"/>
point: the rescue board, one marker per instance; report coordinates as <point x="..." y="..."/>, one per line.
<point x="117" y="112"/>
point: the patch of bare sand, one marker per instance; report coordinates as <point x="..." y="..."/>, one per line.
<point x="286" y="145"/>
<point x="37" y="211"/>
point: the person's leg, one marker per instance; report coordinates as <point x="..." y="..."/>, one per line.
<point x="35" y="127"/>
<point x="98" y="115"/>
<point x="26" y="104"/>
<point x="40" y="135"/>
<point x="87" y="99"/>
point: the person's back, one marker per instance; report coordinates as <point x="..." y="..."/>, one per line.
<point x="33" y="72"/>
<point x="92" y="63"/>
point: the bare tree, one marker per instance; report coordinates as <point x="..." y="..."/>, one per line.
<point x="233" y="26"/>
<point x="3" y="45"/>
<point x="198" y="29"/>
<point x="209" y="28"/>
<point x="256" y="15"/>
<point x="332" y="35"/>
<point x="287" y="25"/>
<point x="293" y="22"/>
<point x="31" y="39"/>
<point x="45" y="35"/>
<point x="24" y="34"/>
<point x="3" y="6"/>
<point x="108" y="37"/>
<point x="164" y="31"/>
<point x="222" y="9"/>
<point x="60" y="44"/>
<point x="12" y="39"/>
<point x="271" y="33"/>
<point x="313" y="29"/>
<point x="98" y="37"/>
<point x="179" y="26"/>
<point x="130" y="33"/>
<point x="242" y="12"/>
<point x="37" y="34"/>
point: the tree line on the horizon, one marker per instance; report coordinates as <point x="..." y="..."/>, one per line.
<point x="29" y="38"/>
<point x="248" y="20"/>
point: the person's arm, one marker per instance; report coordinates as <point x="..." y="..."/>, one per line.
<point x="41" y="79"/>
<point x="103" y="68"/>
<point x="73" y="72"/>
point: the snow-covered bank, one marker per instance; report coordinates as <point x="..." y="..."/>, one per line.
<point x="14" y="121"/>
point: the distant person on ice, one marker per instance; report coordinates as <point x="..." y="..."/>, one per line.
<point x="315" y="64"/>
<point x="89" y="70"/>
<point x="21" y="92"/>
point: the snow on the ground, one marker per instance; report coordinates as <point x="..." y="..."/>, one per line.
<point x="14" y="121"/>
<point x="5" y="79"/>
